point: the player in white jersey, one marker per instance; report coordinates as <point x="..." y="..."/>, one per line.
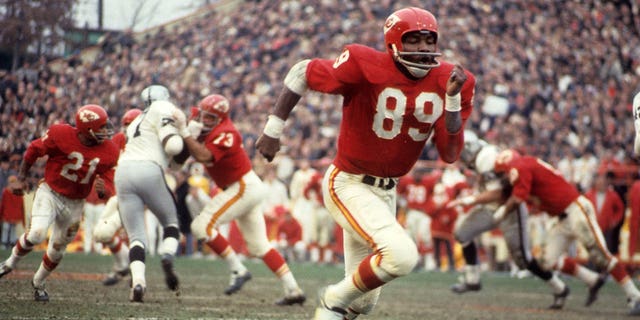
<point x="152" y="144"/>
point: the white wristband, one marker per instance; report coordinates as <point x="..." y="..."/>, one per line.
<point x="468" y="200"/>
<point x="185" y="133"/>
<point x="274" y="127"/>
<point x="499" y="214"/>
<point x="452" y="104"/>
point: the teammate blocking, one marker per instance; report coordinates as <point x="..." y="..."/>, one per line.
<point x="213" y="140"/>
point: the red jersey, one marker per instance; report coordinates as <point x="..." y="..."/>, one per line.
<point x="11" y="207"/>
<point x="290" y="230"/>
<point x="634" y="218"/>
<point x="72" y="167"/>
<point x="387" y="118"/>
<point x="313" y="189"/>
<point x="611" y="211"/>
<point x="120" y="139"/>
<point x="416" y="192"/>
<point x="230" y="161"/>
<point x="541" y="185"/>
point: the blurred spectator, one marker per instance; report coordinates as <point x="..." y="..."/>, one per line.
<point x="5" y="171"/>
<point x="11" y="214"/>
<point x="634" y="219"/>
<point x="442" y="221"/>
<point x="609" y="210"/>
<point x="289" y="240"/>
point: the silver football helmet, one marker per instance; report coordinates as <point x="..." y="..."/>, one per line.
<point x="154" y="93"/>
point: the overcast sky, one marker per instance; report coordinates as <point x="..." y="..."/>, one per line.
<point x="119" y="14"/>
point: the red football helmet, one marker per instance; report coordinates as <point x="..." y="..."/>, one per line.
<point x="212" y="110"/>
<point x="404" y="21"/>
<point x="129" y="116"/>
<point x="504" y="160"/>
<point x="92" y="120"/>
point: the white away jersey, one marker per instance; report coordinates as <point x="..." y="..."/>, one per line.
<point x="146" y="133"/>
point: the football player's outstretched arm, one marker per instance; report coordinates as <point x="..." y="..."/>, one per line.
<point x="35" y="150"/>
<point x="295" y="85"/>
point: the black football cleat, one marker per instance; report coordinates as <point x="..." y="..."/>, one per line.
<point x="593" y="290"/>
<point x="170" y="276"/>
<point x="236" y="282"/>
<point x="463" y="287"/>
<point x="40" y="294"/>
<point x="559" y="299"/>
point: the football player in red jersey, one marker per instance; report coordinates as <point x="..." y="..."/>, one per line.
<point x="219" y="147"/>
<point x="539" y="184"/>
<point x="479" y="156"/>
<point x="106" y="232"/>
<point x="393" y="102"/>
<point x="77" y="157"/>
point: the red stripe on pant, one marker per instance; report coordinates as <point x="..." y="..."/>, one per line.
<point x="365" y="279"/>
<point x="275" y="262"/>
<point x="220" y="245"/>
<point x="48" y="263"/>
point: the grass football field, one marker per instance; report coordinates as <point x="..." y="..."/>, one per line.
<point x="76" y="292"/>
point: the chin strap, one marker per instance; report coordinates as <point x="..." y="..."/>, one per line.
<point x="418" y="70"/>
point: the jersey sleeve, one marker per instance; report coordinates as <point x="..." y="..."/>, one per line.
<point x="42" y="146"/>
<point x="221" y="143"/>
<point x="521" y="181"/>
<point x="355" y="64"/>
<point x="164" y="123"/>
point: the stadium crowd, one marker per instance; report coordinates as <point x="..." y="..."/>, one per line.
<point x="555" y="79"/>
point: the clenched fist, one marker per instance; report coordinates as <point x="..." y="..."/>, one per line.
<point x="101" y="189"/>
<point x="456" y="80"/>
<point x="267" y="146"/>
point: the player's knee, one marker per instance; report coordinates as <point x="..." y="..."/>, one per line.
<point x="401" y="256"/>
<point x="37" y="235"/>
<point x="599" y="259"/>
<point x="55" y="254"/>
<point x="461" y="236"/>
<point x="548" y="263"/>
<point x="199" y="228"/>
<point x="104" y="232"/>
<point x="258" y="248"/>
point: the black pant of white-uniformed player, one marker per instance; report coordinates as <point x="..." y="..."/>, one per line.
<point x="514" y="230"/>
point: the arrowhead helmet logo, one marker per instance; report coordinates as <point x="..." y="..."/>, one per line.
<point x="391" y="21"/>
<point x="88" y="116"/>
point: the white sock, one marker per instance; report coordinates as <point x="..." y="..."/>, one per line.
<point x="556" y="284"/>
<point x="137" y="273"/>
<point x="290" y="284"/>
<point x="40" y="276"/>
<point x="586" y="275"/>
